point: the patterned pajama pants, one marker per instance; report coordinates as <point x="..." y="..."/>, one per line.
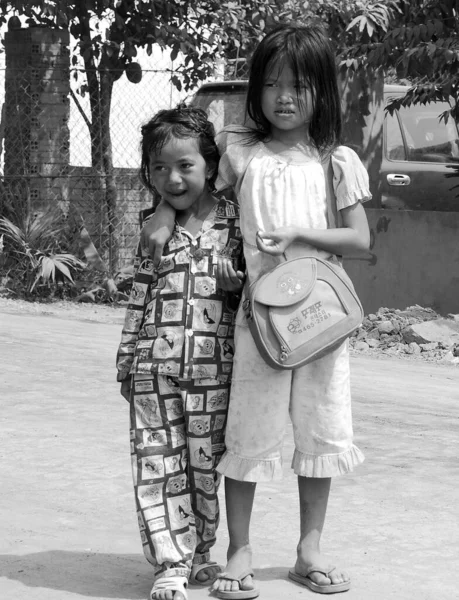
<point x="177" y="439"/>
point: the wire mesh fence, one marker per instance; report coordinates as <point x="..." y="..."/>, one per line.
<point x="56" y="149"/>
<point x="47" y="148"/>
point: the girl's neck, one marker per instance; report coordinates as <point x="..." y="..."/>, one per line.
<point x="290" y="150"/>
<point x="193" y="218"/>
<point x="291" y="137"/>
<point x="290" y="140"/>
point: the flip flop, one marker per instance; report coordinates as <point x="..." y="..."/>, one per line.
<point x="175" y="584"/>
<point x="331" y="588"/>
<point x="197" y="568"/>
<point x="239" y="594"/>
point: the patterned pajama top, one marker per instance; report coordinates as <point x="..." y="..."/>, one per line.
<point x="178" y="322"/>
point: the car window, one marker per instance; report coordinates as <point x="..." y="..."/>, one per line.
<point x="428" y="139"/>
<point x="223" y="108"/>
<point x="395" y="147"/>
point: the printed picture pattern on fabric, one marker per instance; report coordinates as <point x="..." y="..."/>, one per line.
<point x="177" y="322"/>
<point x="177" y="439"/>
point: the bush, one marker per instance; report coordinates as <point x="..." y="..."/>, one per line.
<point x="33" y="256"/>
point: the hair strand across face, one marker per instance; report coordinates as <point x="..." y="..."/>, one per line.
<point x="308" y="52"/>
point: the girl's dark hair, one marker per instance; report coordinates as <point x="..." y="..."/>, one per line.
<point x="308" y="52"/>
<point x="181" y="122"/>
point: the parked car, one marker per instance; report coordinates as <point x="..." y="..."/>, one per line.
<point x="420" y="153"/>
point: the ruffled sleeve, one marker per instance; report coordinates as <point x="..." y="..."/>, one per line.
<point x="350" y="178"/>
<point x="234" y="156"/>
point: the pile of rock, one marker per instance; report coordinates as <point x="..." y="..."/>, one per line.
<point x="416" y="331"/>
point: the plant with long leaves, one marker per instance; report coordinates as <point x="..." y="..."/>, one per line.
<point x="32" y="249"/>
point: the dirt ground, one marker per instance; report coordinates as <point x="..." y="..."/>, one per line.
<point x="67" y="522"/>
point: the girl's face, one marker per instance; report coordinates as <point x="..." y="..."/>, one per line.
<point x="179" y="173"/>
<point x="287" y="104"/>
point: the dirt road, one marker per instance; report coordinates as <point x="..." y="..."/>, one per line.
<point x="67" y="524"/>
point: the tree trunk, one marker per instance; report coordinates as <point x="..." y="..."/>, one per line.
<point x="111" y="196"/>
<point x="100" y="87"/>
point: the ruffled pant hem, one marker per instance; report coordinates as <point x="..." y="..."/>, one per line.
<point x="328" y="465"/>
<point x="249" y="469"/>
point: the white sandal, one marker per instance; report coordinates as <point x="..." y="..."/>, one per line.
<point x="175" y="584"/>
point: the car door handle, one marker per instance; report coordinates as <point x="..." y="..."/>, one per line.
<point x="398" y="179"/>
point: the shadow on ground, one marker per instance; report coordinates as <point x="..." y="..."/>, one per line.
<point x="123" y="576"/>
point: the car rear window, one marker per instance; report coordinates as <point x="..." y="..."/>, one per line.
<point x="416" y="134"/>
<point x="223" y="107"/>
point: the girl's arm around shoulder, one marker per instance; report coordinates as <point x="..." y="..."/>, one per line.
<point x="235" y="151"/>
<point x="157" y="231"/>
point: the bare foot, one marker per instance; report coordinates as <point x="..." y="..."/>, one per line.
<point x="208" y="574"/>
<point x="307" y="558"/>
<point x="239" y="562"/>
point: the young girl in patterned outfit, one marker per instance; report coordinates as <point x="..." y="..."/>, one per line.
<point x="175" y="357"/>
<point x="279" y="170"/>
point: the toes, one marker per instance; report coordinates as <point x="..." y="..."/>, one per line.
<point x="339" y="576"/>
<point x="168" y="595"/>
<point x="227" y="585"/>
<point x="208" y="574"/>
<point x="247" y="583"/>
<point x="335" y="577"/>
<point x="319" y="578"/>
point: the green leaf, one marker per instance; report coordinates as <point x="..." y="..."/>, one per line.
<point x="370" y="28"/>
<point x="47" y="268"/>
<point x="63" y="268"/>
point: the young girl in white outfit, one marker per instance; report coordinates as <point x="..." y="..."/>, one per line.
<point x="279" y="169"/>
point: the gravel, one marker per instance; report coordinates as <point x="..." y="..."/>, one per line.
<point x="361" y="343"/>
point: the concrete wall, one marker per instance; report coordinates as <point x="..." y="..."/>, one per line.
<point x="414" y="259"/>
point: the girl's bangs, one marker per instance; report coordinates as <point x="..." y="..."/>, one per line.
<point x="275" y="63"/>
<point x="164" y="134"/>
<point x="299" y="65"/>
<point x="288" y="56"/>
<point x="161" y="137"/>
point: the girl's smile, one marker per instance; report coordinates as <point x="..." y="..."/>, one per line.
<point x="179" y="173"/>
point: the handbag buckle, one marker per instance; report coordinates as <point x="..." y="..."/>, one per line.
<point x="284" y="354"/>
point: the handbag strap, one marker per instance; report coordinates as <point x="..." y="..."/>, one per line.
<point x="333" y="216"/>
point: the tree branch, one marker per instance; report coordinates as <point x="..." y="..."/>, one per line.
<point x="80" y="108"/>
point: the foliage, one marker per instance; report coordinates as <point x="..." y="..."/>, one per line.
<point x="102" y="285"/>
<point x="417" y="38"/>
<point x="421" y="44"/>
<point x="108" y="33"/>
<point x="32" y="252"/>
